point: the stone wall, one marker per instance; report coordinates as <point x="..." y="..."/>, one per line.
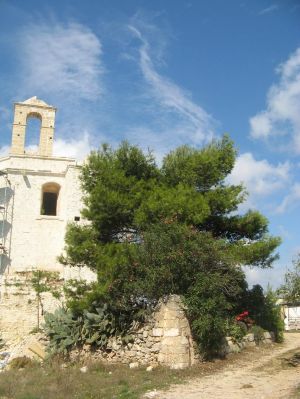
<point x="19" y="307"/>
<point x="165" y="339"/>
<point x="248" y="341"/>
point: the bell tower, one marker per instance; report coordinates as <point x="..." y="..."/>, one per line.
<point x="33" y="108"/>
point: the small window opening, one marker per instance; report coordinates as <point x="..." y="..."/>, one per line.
<point x="49" y="204"/>
<point x="50" y="199"/>
<point x="76" y="218"/>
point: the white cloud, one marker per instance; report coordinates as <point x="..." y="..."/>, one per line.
<point x="73" y="148"/>
<point x="4" y="150"/>
<point x="261" y="125"/>
<point x="281" y="116"/>
<point x="267" y="10"/>
<point x="291" y="200"/>
<point x="264" y="277"/>
<point x="261" y="178"/>
<point x="62" y="64"/>
<point x="61" y="60"/>
<point x="197" y="122"/>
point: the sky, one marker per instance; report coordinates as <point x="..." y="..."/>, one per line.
<point x="163" y="73"/>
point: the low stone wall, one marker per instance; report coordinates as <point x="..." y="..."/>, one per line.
<point x="233" y="346"/>
<point x="166" y="339"/>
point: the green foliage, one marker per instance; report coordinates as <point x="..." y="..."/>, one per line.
<point x="67" y="329"/>
<point x="263" y="309"/>
<point x="44" y="281"/>
<point x="207" y="309"/>
<point x="160" y="231"/>
<point x="75" y="292"/>
<point x="258" y="333"/>
<point x="236" y="330"/>
<point x="273" y="319"/>
<point x="125" y="193"/>
<point x="290" y="290"/>
<point x="63" y="329"/>
<point x="202" y="169"/>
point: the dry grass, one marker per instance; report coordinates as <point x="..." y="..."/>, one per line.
<point x="100" y="381"/>
<point x="103" y="381"/>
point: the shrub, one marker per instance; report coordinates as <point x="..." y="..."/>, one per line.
<point x="67" y="329"/>
<point x="258" y="333"/>
<point x="273" y="319"/>
<point x="236" y="330"/>
<point x="208" y="308"/>
<point x="63" y="329"/>
<point x="22" y="362"/>
<point x="264" y="311"/>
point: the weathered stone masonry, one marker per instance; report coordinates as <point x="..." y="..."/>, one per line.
<point x="39" y="195"/>
<point x="165" y="339"/>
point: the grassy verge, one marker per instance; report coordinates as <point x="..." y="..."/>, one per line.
<point x="99" y="382"/>
<point x="106" y="381"/>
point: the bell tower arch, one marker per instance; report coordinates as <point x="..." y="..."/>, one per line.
<point x="33" y="108"/>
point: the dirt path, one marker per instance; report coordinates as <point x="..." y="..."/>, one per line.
<point x="258" y="375"/>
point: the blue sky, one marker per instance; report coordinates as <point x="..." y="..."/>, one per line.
<point x="162" y="73"/>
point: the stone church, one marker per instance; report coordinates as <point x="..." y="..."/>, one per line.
<point x="39" y="195"/>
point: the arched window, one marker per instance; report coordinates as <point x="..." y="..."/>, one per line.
<point x="33" y="131"/>
<point x="50" y="193"/>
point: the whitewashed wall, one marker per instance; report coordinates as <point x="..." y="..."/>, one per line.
<point x="37" y="240"/>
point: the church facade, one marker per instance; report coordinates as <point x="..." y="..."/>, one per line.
<point x="39" y="195"/>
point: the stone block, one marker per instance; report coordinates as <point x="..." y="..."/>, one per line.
<point x="267" y="335"/>
<point x="170" y="342"/>
<point x="233" y="348"/>
<point x="172" y="360"/>
<point x="228" y="339"/>
<point x="133" y="365"/>
<point x="179" y="365"/>
<point x="172" y="332"/>
<point x="145" y="334"/>
<point x="155" y="347"/>
<point x="131" y="353"/>
<point x="157" y="332"/>
<point x="171" y="323"/>
<point x="250" y="337"/>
